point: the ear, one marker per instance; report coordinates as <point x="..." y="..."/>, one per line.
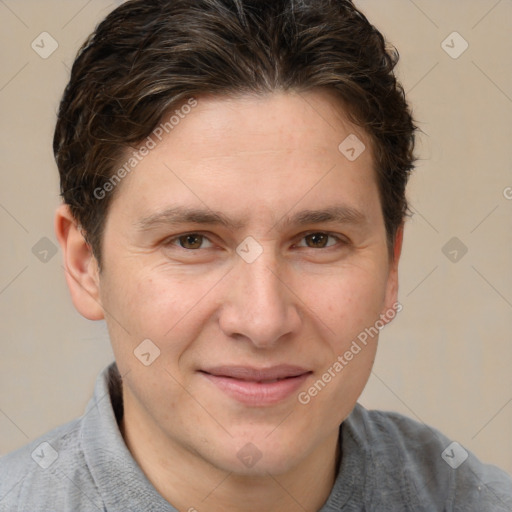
<point x="82" y="271"/>
<point x="391" y="300"/>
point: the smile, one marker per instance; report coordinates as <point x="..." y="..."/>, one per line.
<point x="257" y="387"/>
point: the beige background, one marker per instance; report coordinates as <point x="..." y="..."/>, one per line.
<point x="444" y="361"/>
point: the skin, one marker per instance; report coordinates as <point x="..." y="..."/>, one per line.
<point x="257" y="160"/>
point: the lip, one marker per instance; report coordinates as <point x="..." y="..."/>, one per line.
<point x="257" y="386"/>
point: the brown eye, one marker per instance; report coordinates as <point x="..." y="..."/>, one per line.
<point x="190" y="241"/>
<point x="319" y="240"/>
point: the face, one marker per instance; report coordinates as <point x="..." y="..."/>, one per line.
<point x="213" y="251"/>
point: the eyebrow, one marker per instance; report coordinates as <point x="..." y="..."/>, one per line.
<point x="185" y="215"/>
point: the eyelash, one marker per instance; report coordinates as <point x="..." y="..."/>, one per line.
<point x="340" y="240"/>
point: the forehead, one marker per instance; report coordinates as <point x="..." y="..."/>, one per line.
<point x="310" y="121"/>
<point x="254" y="154"/>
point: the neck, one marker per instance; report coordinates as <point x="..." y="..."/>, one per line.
<point x="190" y="483"/>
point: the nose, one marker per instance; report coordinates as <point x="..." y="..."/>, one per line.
<point x="260" y="305"/>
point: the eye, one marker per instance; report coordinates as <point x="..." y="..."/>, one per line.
<point x="196" y="241"/>
<point x="319" y="240"/>
<point x="189" y="241"/>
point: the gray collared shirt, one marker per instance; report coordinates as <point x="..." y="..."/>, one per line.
<point x="389" y="463"/>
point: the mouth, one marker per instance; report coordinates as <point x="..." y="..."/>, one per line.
<point x="257" y="386"/>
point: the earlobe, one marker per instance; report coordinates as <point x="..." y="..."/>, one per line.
<point x="80" y="265"/>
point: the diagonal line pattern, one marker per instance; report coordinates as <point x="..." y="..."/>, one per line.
<point x="187" y="186"/>
<point x="424" y="13"/>
<point x="13" y="77"/>
<point x="307" y="192"/>
<point x="14" y="218"/>
<point x="1" y="411"/>
<point x="396" y="396"/>
<point x="13" y="13"/>
<point x="76" y="14"/>
<point x="489" y="489"/>
<point x="281" y="422"/>
<point x="486" y="14"/>
<point x="424" y="218"/>
<point x="492" y="286"/>
<point x="317" y="112"/>
<point x="102" y="397"/>
<point x="485" y="218"/>
<point x="286" y="490"/>
<point x="499" y="411"/>
<point x="12" y="280"/>
<point x="80" y="490"/>
<point x="434" y="433"/>
<point x="217" y="486"/>
<point x="423" y="280"/>
<point x="423" y="77"/>
<point x="12" y="488"/>
<point x="492" y="81"/>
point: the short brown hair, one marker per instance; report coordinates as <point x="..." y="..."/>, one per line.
<point x="149" y="56"/>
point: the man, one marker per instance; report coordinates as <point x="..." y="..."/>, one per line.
<point x="233" y="175"/>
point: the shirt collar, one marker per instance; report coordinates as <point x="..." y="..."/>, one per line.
<point x="118" y="478"/>
<point x="124" y="487"/>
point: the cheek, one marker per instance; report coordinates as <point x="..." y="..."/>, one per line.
<point x="348" y="301"/>
<point x="350" y="306"/>
<point x="147" y="304"/>
<point x="157" y="305"/>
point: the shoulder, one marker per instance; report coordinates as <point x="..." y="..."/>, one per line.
<point x="430" y="465"/>
<point x="48" y="470"/>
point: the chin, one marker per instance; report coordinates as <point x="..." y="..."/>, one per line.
<point x="268" y="463"/>
<point x="258" y="455"/>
